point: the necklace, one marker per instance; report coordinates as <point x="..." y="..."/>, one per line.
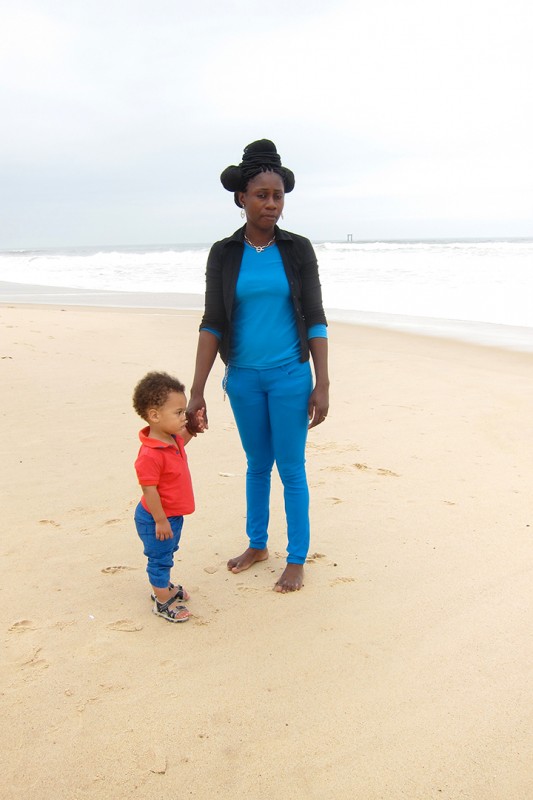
<point x="259" y="247"/>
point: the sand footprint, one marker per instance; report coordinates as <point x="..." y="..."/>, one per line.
<point x="34" y="660"/>
<point x="125" y="625"/>
<point x="112" y="570"/>
<point x="49" y="522"/>
<point x="362" y="468"/>
<point x="333" y="447"/>
<point x="21" y="626"/>
<point x="314" y="557"/>
<point x="336" y="581"/>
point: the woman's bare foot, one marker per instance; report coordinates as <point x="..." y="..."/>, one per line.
<point x="250" y="556"/>
<point x="291" y="580"/>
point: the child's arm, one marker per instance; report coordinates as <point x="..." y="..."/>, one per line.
<point x="187" y="436"/>
<point x="153" y="501"/>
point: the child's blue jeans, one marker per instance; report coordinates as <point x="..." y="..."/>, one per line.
<point x="160" y="553"/>
<point x="271" y="411"/>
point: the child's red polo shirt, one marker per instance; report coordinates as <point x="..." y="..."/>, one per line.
<point x="165" y="466"/>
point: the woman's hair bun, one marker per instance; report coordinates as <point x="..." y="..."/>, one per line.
<point x="288" y="178"/>
<point x="258" y="156"/>
<point x="264" y="151"/>
<point x="231" y="179"/>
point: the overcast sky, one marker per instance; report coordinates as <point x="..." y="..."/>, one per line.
<point x="400" y="119"/>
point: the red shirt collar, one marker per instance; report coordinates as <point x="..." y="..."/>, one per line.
<point x="148" y="442"/>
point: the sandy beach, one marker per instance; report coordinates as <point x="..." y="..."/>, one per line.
<point x="402" y="670"/>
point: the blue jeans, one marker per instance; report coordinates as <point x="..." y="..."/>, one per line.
<point x="160" y="553"/>
<point x="270" y="409"/>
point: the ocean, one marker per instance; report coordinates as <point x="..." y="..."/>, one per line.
<point x="476" y="291"/>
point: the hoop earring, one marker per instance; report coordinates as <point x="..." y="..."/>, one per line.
<point x="243" y="213"/>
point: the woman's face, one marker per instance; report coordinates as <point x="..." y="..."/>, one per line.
<point x="263" y="200"/>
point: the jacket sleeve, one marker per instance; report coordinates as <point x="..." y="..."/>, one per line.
<point x="214" y="315"/>
<point x="312" y="306"/>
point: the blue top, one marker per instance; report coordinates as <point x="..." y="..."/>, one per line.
<point x="264" y="327"/>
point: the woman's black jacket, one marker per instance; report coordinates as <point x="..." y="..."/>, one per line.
<point x="301" y="268"/>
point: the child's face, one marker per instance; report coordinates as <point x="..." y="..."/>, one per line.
<point x="170" y="417"/>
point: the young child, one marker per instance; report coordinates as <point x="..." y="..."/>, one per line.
<point x="164" y="476"/>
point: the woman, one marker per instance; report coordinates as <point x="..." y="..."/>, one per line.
<point x="264" y="314"/>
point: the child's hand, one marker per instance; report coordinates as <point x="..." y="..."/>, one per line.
<point x="201" y="420"/>
<point x="163" y="530"/>
<point x="196" y="421"/>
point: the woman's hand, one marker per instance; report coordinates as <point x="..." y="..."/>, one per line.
<point x="318" y="406"/>
<point x="196" y="421"/>
<point x="196" y="415"/>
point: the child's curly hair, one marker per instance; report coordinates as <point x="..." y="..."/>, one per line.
<point x="153" y="390"/>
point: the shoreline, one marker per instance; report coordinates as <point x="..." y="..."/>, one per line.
<point x="35" y="294"/>
<point x="506" y="337"/>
